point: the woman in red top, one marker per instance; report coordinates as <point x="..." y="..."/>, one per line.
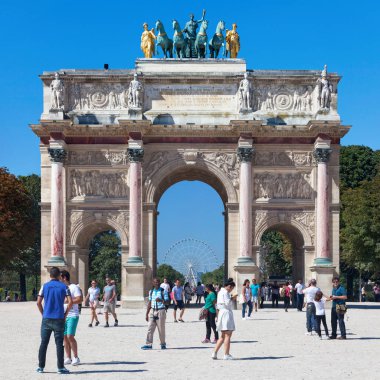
<point x="286" y="296"/>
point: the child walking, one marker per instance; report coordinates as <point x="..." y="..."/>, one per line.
<point x="319" y="302"/>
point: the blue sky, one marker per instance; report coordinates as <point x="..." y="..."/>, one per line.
<point x="275" y="34"/>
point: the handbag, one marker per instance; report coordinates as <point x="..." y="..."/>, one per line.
<point x="341" y="309"/>
<point x="203" y="313"/>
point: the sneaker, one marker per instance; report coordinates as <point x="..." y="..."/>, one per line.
<point x="214" y="356"/>
<point x="228" y="357"/>
<point x="76" y="361"/>
<point x="341" y="338"/>
<point x="249" y="317"/>
<point x="63" y="371"/>
<point x="214" y="341"/>
<point x="332" y="337"/>
<point x="146" y="347"/>
<point x="206" y="341"/>
<point x="40" y="370"/>
<point x="106" y="325"/>
<point x="243" y="318"/>
<point x="90" y="325"/>
<point x="116" y="323"/>
<point x="97" y="323"/>
<point x="175" y="321"/>
<point x="67" y="361"/>
<point x="308" y="333"/>
<point x="163" y="346"/>
<point x="181" y="320"/>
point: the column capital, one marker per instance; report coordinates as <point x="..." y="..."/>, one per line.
<point x="322" y="155"/>
<point x="57" y="154"/>
<point x="135" y="154"/>
<point x="245" y="154"/>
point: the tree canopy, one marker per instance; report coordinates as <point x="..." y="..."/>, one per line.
<point x="214" y="277"/>
<point x="17" y="223"/>
<point x="167" y="271"/>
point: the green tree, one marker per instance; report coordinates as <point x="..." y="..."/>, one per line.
<point x="167" y="271"/>
<point x="17" y="227"/>
<point x="279" y="253"/>
<point x="105" y="258"/>
<point x="357" y="163"/>
<point x="214" y="277"/>
<point x="360" y="234"/>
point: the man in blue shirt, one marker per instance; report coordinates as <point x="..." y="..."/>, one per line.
<point x="156" y="314"/>
<point x="255" y="287"/>
<point x="339" y="296"/>
<point x="53" y="293"/>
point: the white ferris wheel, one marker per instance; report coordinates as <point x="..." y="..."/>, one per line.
<point x="191" y="257"/>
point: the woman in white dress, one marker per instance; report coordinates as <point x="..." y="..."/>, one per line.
<point x="225" y="324"/>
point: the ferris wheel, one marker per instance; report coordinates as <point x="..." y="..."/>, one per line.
<point x="191" y="257"/>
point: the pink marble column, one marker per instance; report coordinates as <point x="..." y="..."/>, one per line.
<point x="57" y="156"/>
<point x="245" y="155"/>
<point x="135" y="206"/>
<point x="322" y="254"/>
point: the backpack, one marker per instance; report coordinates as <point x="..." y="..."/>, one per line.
<point x="282" y="292"/>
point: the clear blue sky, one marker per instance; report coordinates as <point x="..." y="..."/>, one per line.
<point x="275" y="34"/>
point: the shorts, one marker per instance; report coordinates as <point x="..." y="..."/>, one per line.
<point x="109" y="307"/>
<point x="71" y="324"/>
<point x="94" y="304"/>
<point x="179" y="305"/>
<point x="255" y="299"/>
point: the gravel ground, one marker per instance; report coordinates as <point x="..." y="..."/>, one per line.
<point x="271" y="346"/>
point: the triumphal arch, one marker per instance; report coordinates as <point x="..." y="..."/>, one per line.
<point x="112" y="142"/>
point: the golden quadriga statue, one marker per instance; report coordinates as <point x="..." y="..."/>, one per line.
<point x="147" y="41"/>
<point x="232" y="42"/>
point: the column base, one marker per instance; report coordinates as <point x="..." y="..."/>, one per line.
<point x="245" y="260"/>
<point x="56" y="261"/>
<point x="244" y="269"/>
<point x="135" y="260"/>
<point x="324" y="274"/>
<point x="135" y="285"/>
<point x="322" y="261"/>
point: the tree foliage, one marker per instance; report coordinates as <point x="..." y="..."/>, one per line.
<point x="167" y="271"/>
<point x="17" y="227"/>
<point x="357" y="164"/>
<point x="279" y="253"/>
<point x="214" y="277"/>
<point x="105" y="258"/>
<point x="360" y="234"/>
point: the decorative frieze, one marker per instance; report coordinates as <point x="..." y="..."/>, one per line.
<point x="97" y="157"/>
<point x="95" y="183"/>
<point x="267" y="158"/>
<point x="282" y="186"/>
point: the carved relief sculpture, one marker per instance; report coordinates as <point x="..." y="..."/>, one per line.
<point x="227" y="162"/>
<point x="265" y="158"/>
<point x="245" y="94"/>
<point x="57" y="94"/>
<point x="282" y="186"/>
<point x="324" y="91"/>
<point x="98" y="184"/>
<point x="135" y="93"/>
<point x="147" y="41"/>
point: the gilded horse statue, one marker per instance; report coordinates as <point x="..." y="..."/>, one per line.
<point x="163" y="40"/>
<point x="179" y="41"/>
<point x="217" y="40"/>
<point x="201" y="40"/>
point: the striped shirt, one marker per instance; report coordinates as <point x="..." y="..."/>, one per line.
<point x="157" y="293"/>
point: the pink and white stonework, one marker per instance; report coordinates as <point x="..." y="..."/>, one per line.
<point x="274" y="161"/>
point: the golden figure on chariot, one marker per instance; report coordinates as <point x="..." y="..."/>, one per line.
<point x="147" y="41"/>
<point x="232" y="42"/>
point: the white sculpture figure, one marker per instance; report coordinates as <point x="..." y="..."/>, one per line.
<point x="297" y="101"/>
<point x="306" y="99"/>
<point x="245" y="93"/>
<point x="269" y="102"/>
<point x="113" y="100"/>
<point x="324" y="90"/>
<point x="57" y="89"/>
<point x="134" y="93"/>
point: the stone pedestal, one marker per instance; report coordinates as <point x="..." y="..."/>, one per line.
<point x="324" y="275"/>
<point x="57" y="156"/>
<point x="135" y="287"/>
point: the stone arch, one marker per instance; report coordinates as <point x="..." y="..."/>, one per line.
<point x="179" y="169"/>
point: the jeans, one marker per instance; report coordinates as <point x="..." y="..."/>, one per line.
<point x="47" y="327"/>
<point x="286" y="302"/>
<point x="275" y="299"/>
<point x="300" y="298"/>
<point x="250" y="307"/>
<point x="310" y="317"/>
<point x="335" y="318"/>
<point x="210" y="324"/>
<point x="321" y="318"/>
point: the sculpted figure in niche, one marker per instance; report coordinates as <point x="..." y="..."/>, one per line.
<point x="57" y="89"/>
<point x="134" y="93"/>
<point x="297" y="101"/>
<point x="113" y="100"/>
<point x="245" y="91"/>
<point x="306" y="99"/>
<point x="232" y="42"/>
<point x="324" y="90"/>
<point x="147" y="41"/>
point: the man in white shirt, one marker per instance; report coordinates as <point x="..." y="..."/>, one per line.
<point x="299" y="287"/>
<point x="165" y="285"/>
<point x="310" y="307"/>
<point x="71" y="321"/>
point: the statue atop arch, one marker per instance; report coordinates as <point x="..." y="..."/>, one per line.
<point x="191" y="34"/>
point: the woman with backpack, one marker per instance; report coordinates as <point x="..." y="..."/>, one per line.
<point x="211" y="314"/>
